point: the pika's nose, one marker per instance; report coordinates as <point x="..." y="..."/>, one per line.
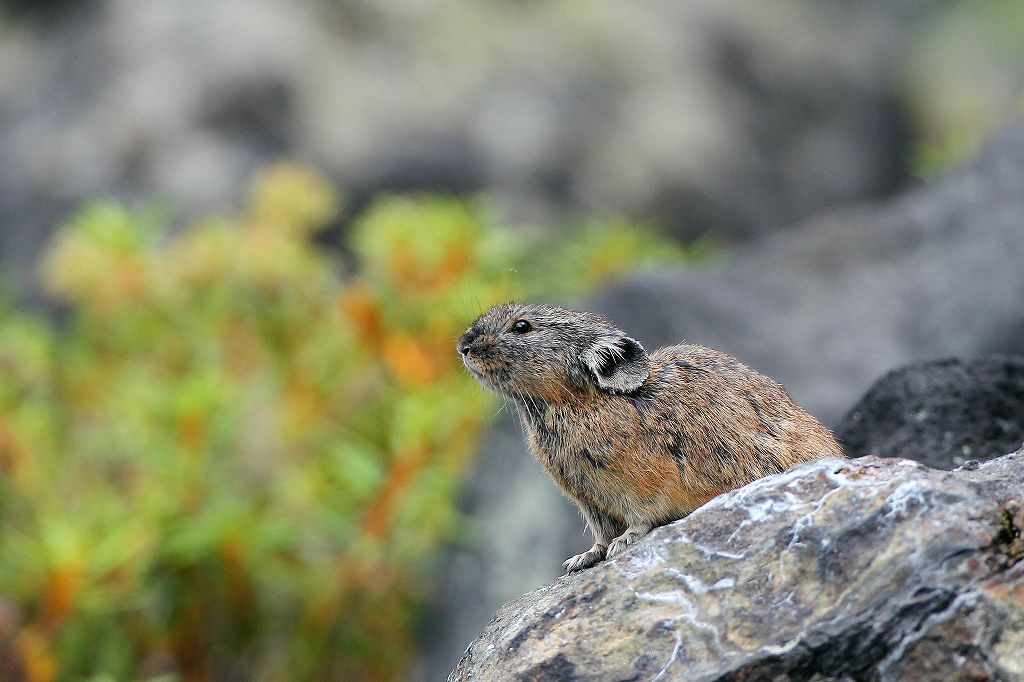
<point x="469" y="337"/>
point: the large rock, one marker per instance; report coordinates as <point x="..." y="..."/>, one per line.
<point x="940" y="413"/>
<point x="825" y="308"/>
<point x="839" y="569"/>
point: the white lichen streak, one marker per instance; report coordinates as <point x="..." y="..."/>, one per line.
<point x="752" y="501"/>
<point x="646" y="558"/>
<point x="642" y="559"/>
<point x="911" y="491"/>
<point x="689" y="615"/>
<point x="672" y="658"/>
<point x="698" y="586"/>
<point x="706" y="550"/>
<point x="843" y="483"/>
<point x="923" y="628"/>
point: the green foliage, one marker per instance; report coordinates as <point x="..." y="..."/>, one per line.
<point x="234" y="461"/>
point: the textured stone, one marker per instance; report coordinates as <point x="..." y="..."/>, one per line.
<point x="838" y="569"/>
<point x="941" y="413"/>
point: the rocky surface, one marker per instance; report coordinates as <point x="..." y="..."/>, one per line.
<point x="940" y="413"/>
<point x="838" y="569"/>
<point x="826" y="308"/>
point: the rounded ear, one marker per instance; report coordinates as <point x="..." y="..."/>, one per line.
<point x="618" y="363"/>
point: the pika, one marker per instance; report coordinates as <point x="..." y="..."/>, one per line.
<point x="636" y="440"/>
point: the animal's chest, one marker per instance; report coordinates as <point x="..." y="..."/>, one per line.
<point x="578" y="458"/>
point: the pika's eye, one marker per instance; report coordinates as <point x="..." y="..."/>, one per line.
<point x="520" y="327"/>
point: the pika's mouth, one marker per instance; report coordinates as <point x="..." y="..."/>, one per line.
<point x="473" y="370"/>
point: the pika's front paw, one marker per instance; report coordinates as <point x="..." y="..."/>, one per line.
<point x="617" y="545"/>
<point x="631" y="535"/>
<point x="577" y="563"/>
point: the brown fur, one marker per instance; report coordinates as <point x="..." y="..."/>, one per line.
<point x="636" y="440"/>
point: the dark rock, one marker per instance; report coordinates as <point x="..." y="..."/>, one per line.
<point x="839" y="569"/>
<point x="940" y="413"/>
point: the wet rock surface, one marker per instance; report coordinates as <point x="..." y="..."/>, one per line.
<point x="940" y="413"/>
<point x="838" y="569"/>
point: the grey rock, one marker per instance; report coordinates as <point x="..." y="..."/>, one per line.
<point x="942" y="413"/>
<point x="838" y="569"/>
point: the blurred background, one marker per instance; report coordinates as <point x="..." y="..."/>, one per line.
<point x="239" y="239"/>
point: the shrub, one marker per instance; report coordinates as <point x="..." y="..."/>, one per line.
<point x="231" y="461"/>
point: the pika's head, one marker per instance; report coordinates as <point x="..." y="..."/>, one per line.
<point x="540" y="351"/>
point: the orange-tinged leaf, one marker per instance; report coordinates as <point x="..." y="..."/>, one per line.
<point x="304" y="403"/>
<point x="37" y="656"/>
<point x="12" y="452"/>
<point x="409" y="361"/>
<point x="61" y="592"/>
<point x="360" y="305"/>
<point x="405" y="468"/>
<point x="193" y="431"/>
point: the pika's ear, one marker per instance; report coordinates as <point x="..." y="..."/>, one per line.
<point x="619" y="363"/>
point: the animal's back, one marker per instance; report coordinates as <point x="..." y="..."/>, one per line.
<point x="740" y="425"/>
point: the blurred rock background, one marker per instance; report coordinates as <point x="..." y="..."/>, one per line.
<point x="733" y="117"/>
<point x="822" y="145"/>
